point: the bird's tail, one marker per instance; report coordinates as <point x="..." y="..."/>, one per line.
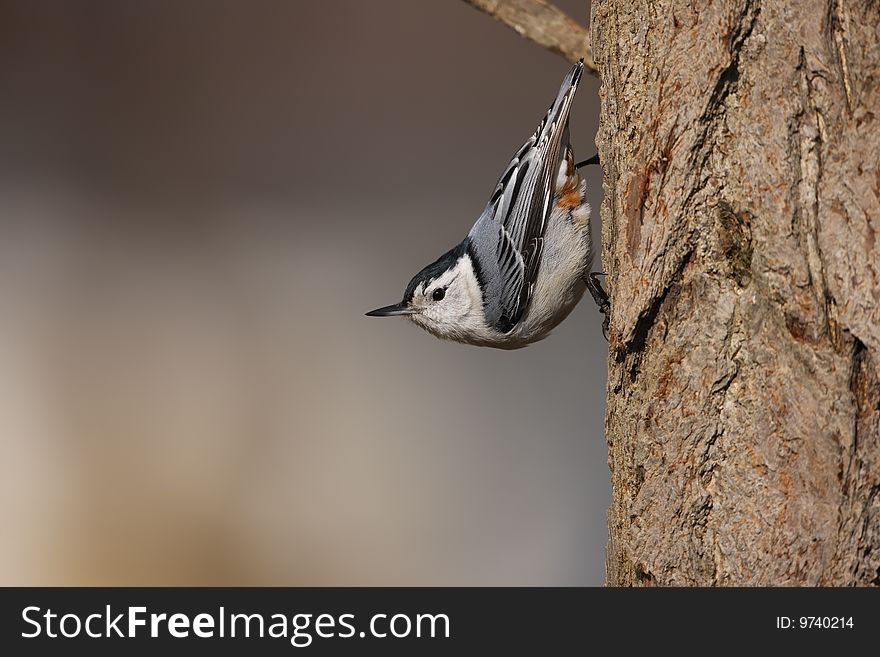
<point x="558" y="114"/>
<point x="571" y="80"/>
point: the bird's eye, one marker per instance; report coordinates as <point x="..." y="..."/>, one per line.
<point x="439" y="293"/>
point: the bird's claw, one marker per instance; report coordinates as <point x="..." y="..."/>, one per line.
<point x="600" y="296"/>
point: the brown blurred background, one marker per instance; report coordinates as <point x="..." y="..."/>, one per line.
<point x="198" y="202"/>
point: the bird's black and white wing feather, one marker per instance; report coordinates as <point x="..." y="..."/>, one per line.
<point x="507" y="240"/>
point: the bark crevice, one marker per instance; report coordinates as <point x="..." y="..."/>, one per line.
<point x="837" y="22"/>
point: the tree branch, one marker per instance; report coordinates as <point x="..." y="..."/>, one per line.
<point x="543" y="23"/>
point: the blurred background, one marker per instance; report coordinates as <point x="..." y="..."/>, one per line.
<point x="198" y="202"/>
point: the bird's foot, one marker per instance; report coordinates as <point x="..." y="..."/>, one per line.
<point x="592" y="160"/>
<point x="600" y="296"/>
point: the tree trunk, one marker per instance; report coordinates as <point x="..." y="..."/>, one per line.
<point x="740" y="144"/>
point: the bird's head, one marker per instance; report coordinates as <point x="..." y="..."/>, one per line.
<point x="444" y="298"/>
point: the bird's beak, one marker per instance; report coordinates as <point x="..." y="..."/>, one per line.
<point x="391" y="311"/>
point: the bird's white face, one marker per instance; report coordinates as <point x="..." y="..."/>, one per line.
<point x="451" y="305"/>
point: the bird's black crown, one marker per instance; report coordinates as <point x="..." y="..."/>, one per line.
<point x="435" y="269"/>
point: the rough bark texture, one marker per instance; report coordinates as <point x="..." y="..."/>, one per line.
<point x="740" y="142"/>
<point x="543" y="23"/>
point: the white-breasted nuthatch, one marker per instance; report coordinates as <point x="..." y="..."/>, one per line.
<point x="526" y="262"/>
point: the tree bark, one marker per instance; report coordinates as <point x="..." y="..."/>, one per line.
<point x="545" y="24"/>
<point x="740" y="144"/>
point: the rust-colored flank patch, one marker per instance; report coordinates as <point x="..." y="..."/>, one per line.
<point x="570" y="196"/>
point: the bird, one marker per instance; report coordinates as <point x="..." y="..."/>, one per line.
<point x="526" y="261"/>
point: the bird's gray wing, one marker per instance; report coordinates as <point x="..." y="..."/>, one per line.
<point x="508" y="237"/>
